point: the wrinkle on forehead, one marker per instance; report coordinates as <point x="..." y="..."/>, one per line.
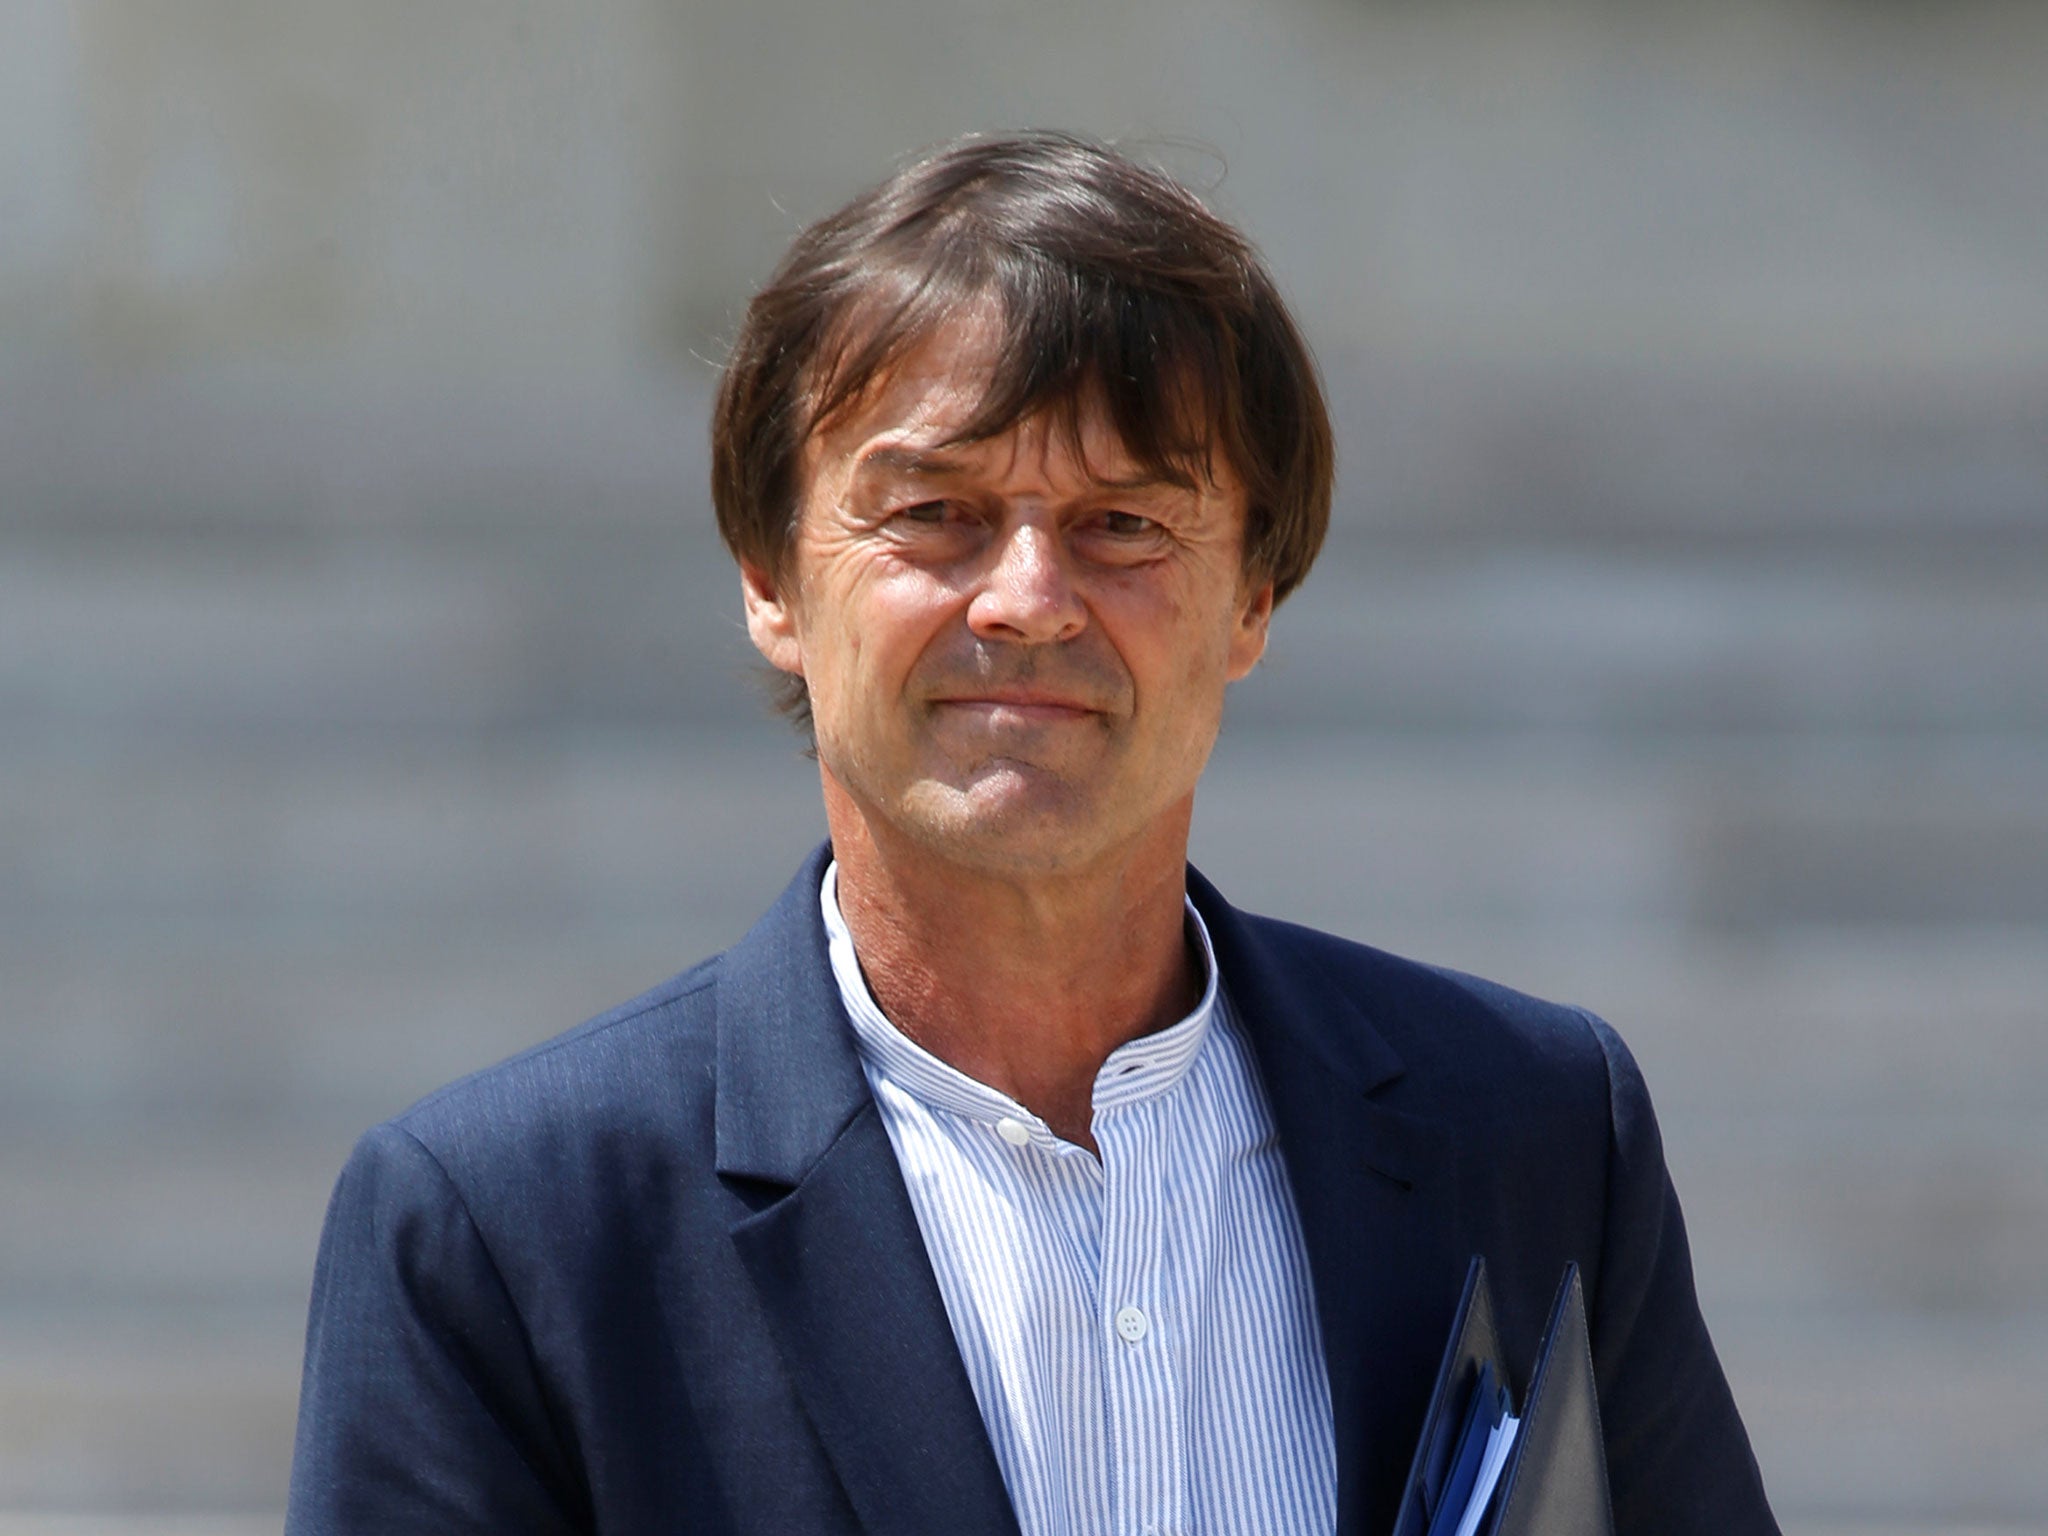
<point x="944" y="384"/>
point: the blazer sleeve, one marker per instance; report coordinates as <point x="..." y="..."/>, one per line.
<point x="1678" y="1460"/>
<point x="421" y="1409"/>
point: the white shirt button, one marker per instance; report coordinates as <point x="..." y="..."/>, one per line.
<point x="1131" y="1324"/>
<point x="1014" y="1131"/>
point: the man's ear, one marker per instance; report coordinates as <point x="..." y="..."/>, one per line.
<point x="1248" y="635"/>
<point x="771" y="623"/>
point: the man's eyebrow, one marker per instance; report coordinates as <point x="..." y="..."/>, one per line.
<point x="903" y="459"/>
<point x="932" y="464"/>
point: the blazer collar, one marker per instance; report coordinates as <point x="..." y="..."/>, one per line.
<point x="827" y="1234"/>
<point x="1367" y="1179"/>
<point x="1300" y="1005"/>
<point x="789" y="1078"/>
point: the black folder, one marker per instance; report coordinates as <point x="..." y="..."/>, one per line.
<point x="1553" y="1480"/>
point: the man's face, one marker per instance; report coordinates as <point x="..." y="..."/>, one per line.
<point x="1016" y="652"/>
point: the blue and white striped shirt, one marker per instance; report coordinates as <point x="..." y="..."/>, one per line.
<point x="1139" y="1332"/>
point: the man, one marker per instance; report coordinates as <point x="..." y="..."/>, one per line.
<point x="1004" y="1178"/>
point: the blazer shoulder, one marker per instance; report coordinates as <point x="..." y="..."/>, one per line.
<point x="639" y="1064"/>
<point x="1458" y="1037"/>
<point x="1411" y="992"/>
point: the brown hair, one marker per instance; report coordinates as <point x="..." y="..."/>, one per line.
<point x="1111" y="282"/>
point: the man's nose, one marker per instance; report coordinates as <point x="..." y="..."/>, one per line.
<point x="1028" y="596"/>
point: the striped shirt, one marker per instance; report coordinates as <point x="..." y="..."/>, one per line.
<point x="1139" y="1331"/>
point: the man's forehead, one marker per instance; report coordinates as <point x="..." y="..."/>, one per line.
<point x="914" y="416"/>
<point x="943" y="372"/>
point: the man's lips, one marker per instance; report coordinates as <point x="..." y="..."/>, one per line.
<point x="1023" y="706"/>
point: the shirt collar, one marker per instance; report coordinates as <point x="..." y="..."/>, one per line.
<point x="1139" y="1069"/>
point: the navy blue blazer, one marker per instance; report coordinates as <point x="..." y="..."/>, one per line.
<point x="661" y="1275"/>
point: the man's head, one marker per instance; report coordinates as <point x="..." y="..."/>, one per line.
<point x="1016" y="452"/>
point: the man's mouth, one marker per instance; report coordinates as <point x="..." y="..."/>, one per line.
<point x="1033" y="706"/>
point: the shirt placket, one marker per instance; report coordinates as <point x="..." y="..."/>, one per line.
<point x="1140" y="1335"/>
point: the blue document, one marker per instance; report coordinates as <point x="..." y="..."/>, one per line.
<point x="1483" y="1469"/>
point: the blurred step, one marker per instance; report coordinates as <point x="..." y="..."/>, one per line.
<point x="1873" y="1420"/>
<point x="23" y="1523"/>
<point x="234" y="1028"/>
<point x="557" y="828"/>
<point x="1806" y="1020"/>
<point x="1524" y="636"/>
<point x="1887" y="1210"/>
<point x="195" y="1222"/>
<point x="1627" y="452"/>
<point x="370" y="632"/>
<point x="127" y="1412"/>
<point x="1735" y="834"/>
<point x="255" y="451"/>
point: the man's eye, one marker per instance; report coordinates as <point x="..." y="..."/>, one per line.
<point x="925" y="512"/>
<point x="1125" y="524"/>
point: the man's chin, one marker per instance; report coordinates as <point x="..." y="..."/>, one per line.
<point x="1010" y="816"/>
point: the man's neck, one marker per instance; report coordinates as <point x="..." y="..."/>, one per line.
<point x="1025" y="983"/>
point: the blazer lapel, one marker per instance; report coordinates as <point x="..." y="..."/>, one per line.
<point x="832" y="1243"/>
<point x="1361" y="1174"/>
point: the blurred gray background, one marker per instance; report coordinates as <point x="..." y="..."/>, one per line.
<point x="373" y="700"/>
